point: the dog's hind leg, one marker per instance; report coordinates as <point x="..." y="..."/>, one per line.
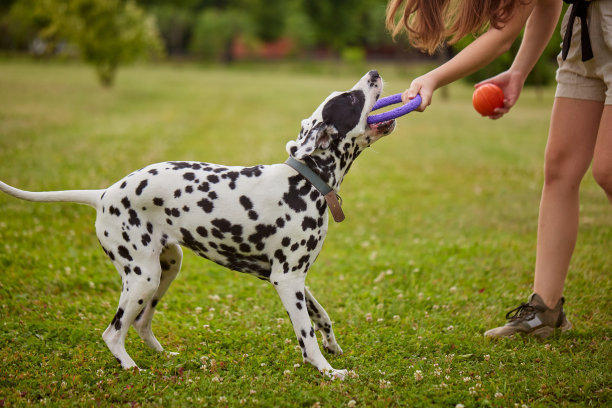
<point x="170" y="263"/>
<point x="291" y="292"/>
<point x="140" y="281"/>
<point x="322" y="323"/>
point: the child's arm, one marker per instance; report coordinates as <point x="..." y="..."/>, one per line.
<point x="540" y="27"/>
<point x="488" y="47"/>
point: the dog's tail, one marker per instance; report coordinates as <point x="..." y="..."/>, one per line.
<point x="88" y="197"/>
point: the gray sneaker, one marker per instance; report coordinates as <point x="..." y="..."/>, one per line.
<point x="533" y="318"/>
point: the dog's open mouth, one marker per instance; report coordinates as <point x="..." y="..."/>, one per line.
<point x="385" y="127"/>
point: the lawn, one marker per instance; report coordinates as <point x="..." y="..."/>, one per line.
<point x="438" y="244"/>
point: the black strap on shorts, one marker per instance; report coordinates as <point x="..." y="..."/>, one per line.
<point x="579" y="9"/>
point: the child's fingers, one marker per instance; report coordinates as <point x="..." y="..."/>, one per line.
<point x="415" y="90"/>
<point x="410" y="93"/>
<point x="499" y="112"/>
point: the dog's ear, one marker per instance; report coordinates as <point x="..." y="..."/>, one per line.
<point x="319" y="136"/>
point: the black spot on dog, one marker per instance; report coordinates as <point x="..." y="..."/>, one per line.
<point x="189" y="176"/>
<point x="262" y="232"/>
<point x="126" y="202"/>
<point x="311" y="244"/>
<point x="177" y="193"/>
<point x="137" y="270"/>
<point x="153" y="172"/>
<point x="280" y="255"/>
<point x="126" y="237"/>
<point x="212" y="178"/>
<point x="114" y="211"/>
<point x="189" y="189"/>
<point x="117" y="319"/>
<point x="286" y="241"/>
<point x="190" y="242"/>
<point x="158" y="201"/>
<point x="134" y="220"/>
<point x="233" y="176"/>
<point x="126" y="269"/>
<point x="293" y="197"/>
<point x="251" y="171"/>
<point x="309" y="223"/>
<point x="202" y="231"/>
<point x="226" y="226"/>
<point x="150" y="227"/>
<point x="146" y="239"/>
<point x="246" y="202"/>
<point x="123" y="185"/>
<point x="206" y="205"/>
<point x="124" y="252"/>
<point x="181" y="165"/>
<point x="141" y="187"/>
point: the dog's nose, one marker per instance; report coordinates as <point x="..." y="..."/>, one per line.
<point x="374" y="74"/>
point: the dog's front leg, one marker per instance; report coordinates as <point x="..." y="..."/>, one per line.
<point x="292" y="294"/>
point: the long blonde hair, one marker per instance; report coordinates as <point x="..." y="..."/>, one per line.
<point x="429" y="23"/>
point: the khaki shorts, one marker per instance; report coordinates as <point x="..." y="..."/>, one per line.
<point x="591" y="79"/>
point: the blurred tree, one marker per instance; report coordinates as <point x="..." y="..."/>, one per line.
<point x="110" y="33"/>
<point x="107" y="33"/>
<point x="215" y="31"/>
<point x="175" y="26"/>
<point x="17" y="25"/>
<point x="268" y="16"/>
<point x="342" y="23"/>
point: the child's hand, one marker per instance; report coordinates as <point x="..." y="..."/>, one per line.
<point x="512" y="84"/>
<point x="423" y="86"/>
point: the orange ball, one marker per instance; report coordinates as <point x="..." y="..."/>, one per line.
<point x="486" y="98"/>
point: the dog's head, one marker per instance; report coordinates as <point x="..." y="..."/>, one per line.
<point x="337" y="132"/>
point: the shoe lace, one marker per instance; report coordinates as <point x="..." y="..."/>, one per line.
<point x="525" y="310"/>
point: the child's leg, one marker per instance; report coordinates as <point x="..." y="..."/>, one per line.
<point x="569" y="151"/>
<point x="602" y="159"/>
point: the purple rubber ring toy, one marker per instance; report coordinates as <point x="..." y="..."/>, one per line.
<point x="393" y="113"/>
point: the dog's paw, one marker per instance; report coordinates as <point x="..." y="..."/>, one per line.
<point x="332" y="348"/>
<point x="335" y="374"/>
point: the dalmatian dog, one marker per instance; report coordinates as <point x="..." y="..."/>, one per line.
<point x="266" y="220"/>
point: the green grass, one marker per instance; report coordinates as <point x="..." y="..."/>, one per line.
<point x="438" y="244"/>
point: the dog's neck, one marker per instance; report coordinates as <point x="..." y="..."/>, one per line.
<point x="331" y="164"/>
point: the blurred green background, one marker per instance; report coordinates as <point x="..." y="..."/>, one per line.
<point x="439" y="240"/>
<point x="110" y="33"/>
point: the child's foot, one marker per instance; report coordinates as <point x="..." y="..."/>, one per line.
<point x="533" y="318"/>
